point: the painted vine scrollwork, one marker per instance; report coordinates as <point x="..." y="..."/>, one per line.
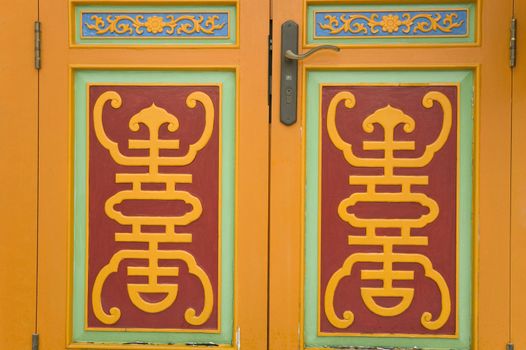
<point x="124" y="24"/>
<point x="391" y="23"/>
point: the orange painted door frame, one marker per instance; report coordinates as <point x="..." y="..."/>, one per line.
<point x="518" y="188"/>
<point x="491" y="205"/>
<point x="18" y="177"/>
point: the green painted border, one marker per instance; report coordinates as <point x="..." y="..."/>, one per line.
<point x="157" y="41"/>
<point x="465" y="226"/>
<point x="472" y="8"/>
<point x="83" y="77"/>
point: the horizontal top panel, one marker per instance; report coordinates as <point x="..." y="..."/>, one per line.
<point x="144" y="24"/>
<point x="348" y="24"/>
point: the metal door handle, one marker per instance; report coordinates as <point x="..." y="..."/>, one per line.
<point x="289" y="70"/>
<point x="293" y="56"/>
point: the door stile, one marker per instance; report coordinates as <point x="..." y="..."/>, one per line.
<point x="518" y="186"/>
<point x="18" y="174"/>
<point x="285" y="205"/>
<point x="494" y="142"/>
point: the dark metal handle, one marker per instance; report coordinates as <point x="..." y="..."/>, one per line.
<point x="289" y="71"/>
<point x="289" y="74"/>
<point x="293" y="56"/>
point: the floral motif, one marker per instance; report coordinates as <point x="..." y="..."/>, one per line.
<point x="157" y="25"/>
<point x="392" y="23"/>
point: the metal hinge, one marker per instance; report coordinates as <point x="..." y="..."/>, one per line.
<point x="513" y="42"/>
<point x="37" y="45"/>
<point x="510" y="346"/>
<point x="269" y="82"/>
<point x="34" y="341"/>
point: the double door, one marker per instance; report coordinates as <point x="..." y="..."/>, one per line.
<point x="199" y="186"/>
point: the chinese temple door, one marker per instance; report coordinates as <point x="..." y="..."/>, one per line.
<point x="372" y="211"/>
<point x="390" y="222"/>
<point x="154" y="157"/>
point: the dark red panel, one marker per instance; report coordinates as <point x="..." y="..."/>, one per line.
<point x="205" y="170"/>
<point x="335" y="172"/>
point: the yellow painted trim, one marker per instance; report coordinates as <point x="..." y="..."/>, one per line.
<point x="476" y="210"/>
<point x="70" y="218"/>
<point x="302" y="110"/>
<point x="236" y="208"/>
<point x="144" y="347"/>
<point x="119" y="67"/>
<point x="390" y="2"/>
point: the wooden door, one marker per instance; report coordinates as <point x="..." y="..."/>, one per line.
<point x="390" y="222"/>
<point x="153" y="181"/>
<point x="255" y="235"/>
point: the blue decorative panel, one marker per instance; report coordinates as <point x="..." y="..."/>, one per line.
<point x="358" y="24"/>
<point x="138" y="24"/>
<point x="392" y="23"/>
<point x="156" y="24"/>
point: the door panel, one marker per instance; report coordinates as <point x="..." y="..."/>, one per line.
<point x="143" y="24"/>
<point x="199" y="275"/>
<point x="343" y="271"/>
<point x="401" y="226"/>
<point x="151" y="237"/>
<point x="390" y="24"/>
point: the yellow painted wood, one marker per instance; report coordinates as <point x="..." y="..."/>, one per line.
<point x="518" y="193"/>
<point x="250" y="62"/>
<point x="18" y="174"/>
<point x="492" y="194"/>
